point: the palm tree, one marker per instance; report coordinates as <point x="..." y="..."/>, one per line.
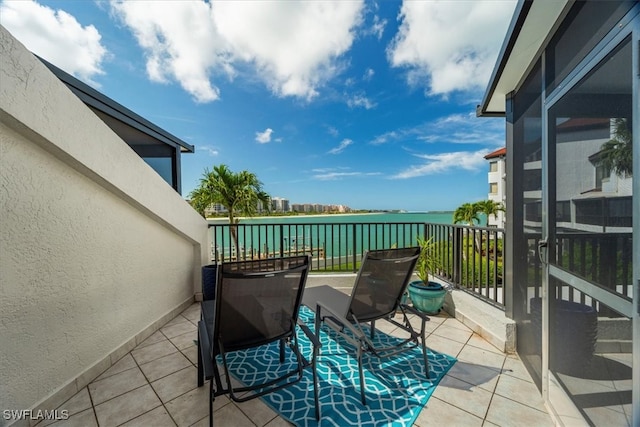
<point x="617" y="154"/>
<point x="466" y="213"/>
<point x="489" y="207"/>
<point x="239" y="193"/>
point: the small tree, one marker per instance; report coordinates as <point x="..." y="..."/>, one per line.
<point x="238" y="192"/>
<point x="466" y="213"/>
<point x="489" y="207"/>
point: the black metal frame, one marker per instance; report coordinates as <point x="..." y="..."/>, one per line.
<point x="326" y="300"/>
<point x="211" y="345"/>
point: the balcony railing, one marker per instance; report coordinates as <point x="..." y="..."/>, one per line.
<point x="468" y="257"/>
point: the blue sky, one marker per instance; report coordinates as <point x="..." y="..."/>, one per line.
<point x="360" y="103"/>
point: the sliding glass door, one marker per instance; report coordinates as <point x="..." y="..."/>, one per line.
<point x="589" y="212"/>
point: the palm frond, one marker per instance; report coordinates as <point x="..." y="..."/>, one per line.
<point x="617" y="153"/>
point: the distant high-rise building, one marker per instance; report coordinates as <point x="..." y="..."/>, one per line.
<point x="315" y="207"/>
<point x="215" y="209"/>
<point x="278" y="204"/>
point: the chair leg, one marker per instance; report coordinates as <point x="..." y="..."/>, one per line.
<point x="424" y="350"/>
<point x="281" y="351"/>
<point x="211" y="397"/>
<point x="318" y="319"/>
<point x="315" y="382"/>
<point x="364" y="399"/>
<point x="200" y="369"/>
<point x="426" y="360"/>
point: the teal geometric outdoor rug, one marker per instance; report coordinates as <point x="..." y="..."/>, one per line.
<point x="396" y="388"/>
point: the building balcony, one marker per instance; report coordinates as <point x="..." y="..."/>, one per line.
<point x="494" y="176"/>
<point x="100" y="270"/>
<point x="100" y="267"/>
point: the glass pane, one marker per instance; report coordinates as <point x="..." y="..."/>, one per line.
<point x="590" y="153"/>
<point x="590" y="134"/>
<point x="590" y="354"/>
<point x="527" y="183"/>
<point x="585" y="25"/>
<point x="163" y="166"/>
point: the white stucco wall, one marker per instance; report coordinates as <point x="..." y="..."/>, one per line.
<point x="575" y="174"/>
<point x="95" y="247"/>
<point x="499" y="196"/>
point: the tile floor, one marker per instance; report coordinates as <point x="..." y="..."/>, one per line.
<point x="155" y="385"/>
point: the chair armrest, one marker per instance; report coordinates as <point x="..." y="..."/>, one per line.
<point x="415" y="311"/>
<point x="423" y="316"/>
<point x="312" y="337"/>
<point x="344" y="323"/>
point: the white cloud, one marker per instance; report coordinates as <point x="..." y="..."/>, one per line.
<point x="356" y="101"/>
<point x="264" y="137"/>
<point x="464" y="129"/>
<point x="340" y="148"/>
<point x="450" y="45"/>
<point x="331" y="175"/>
<point x="377" y="27"/>
<point x="349" y="81"/>
<point x="332" y="131"/>
<point x="384" y="138"/>
<point x="444" y="162"/>
<point x="368" y="74"/>
<point x="180" y="43"/>
<point x="452" y="129"/>
<point x="212" y="151"/>
<point x="57" y="37"/>
<point x="294" y="46"/>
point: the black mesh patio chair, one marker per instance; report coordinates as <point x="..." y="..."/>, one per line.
<point x="376" y="295"/>
<point x="256" y="304"/>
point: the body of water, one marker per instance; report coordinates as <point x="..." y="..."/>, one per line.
<point x="323" y="236"/>
<point x="384" y="218"/>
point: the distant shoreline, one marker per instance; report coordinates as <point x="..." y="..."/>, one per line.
<point x="389" y="216"/>
<point x="217" y="218"/>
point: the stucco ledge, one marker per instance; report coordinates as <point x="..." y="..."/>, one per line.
<point x="488" y="321"/>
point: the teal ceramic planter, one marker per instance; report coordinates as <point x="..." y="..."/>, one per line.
<point x="427" y="298"/>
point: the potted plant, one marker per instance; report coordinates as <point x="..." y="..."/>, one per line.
<point x="426" y="296"/>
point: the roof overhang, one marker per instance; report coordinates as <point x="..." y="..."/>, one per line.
<point x="132" y="128"/>
<point x="531" y="26"/>
<point x="501" y="152"/>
